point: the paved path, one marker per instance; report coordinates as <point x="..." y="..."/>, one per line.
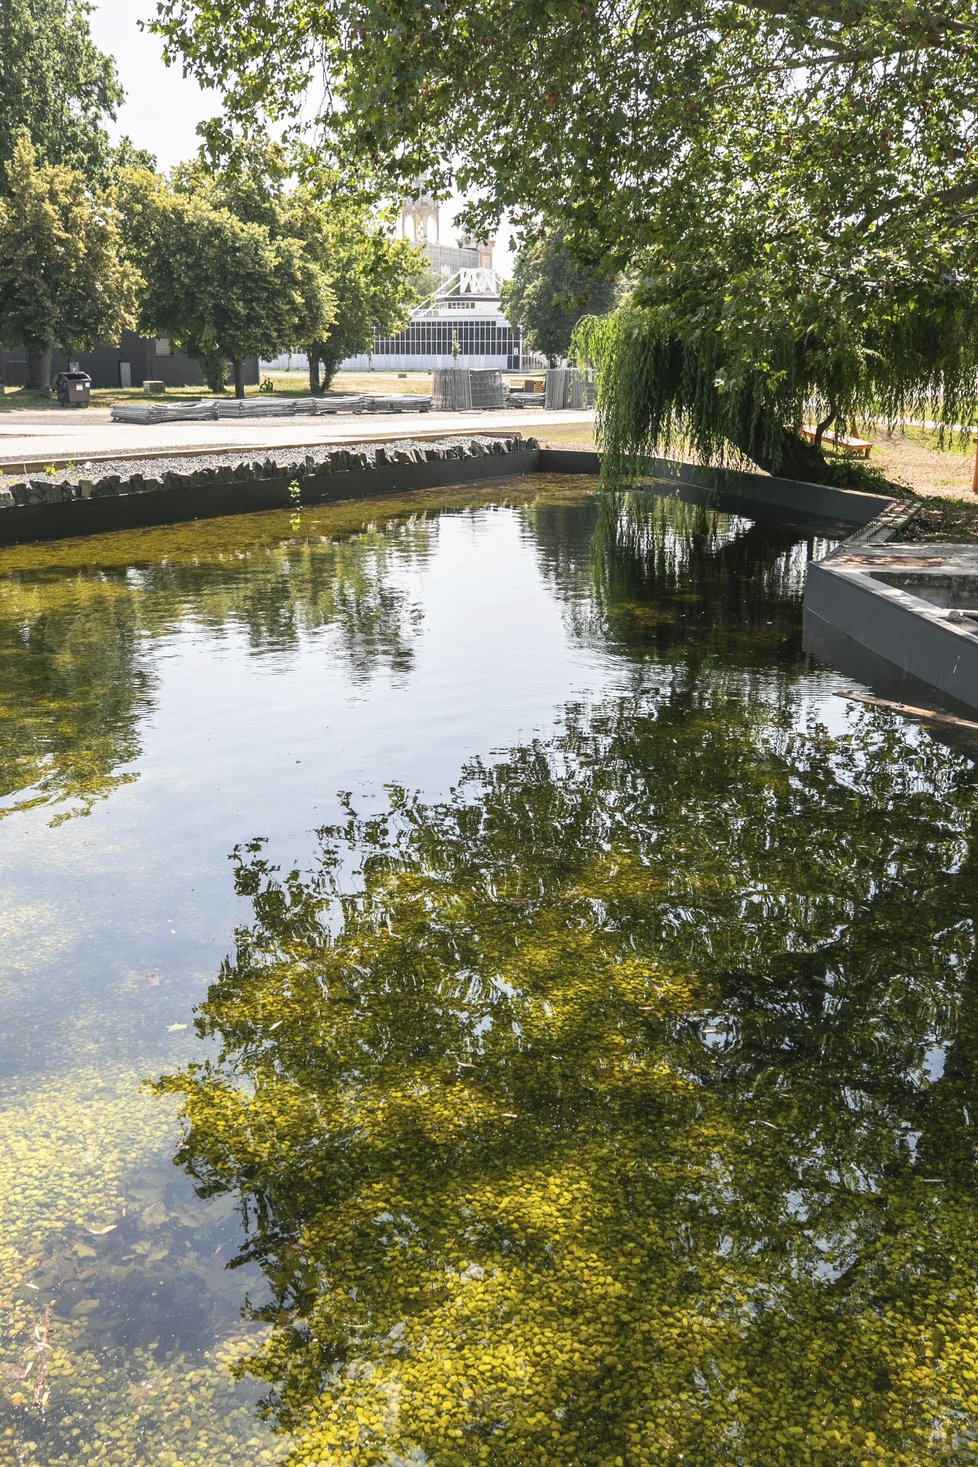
<point x="86" y="433"/>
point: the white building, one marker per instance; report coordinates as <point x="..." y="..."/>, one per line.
<point x="462" y="321"/>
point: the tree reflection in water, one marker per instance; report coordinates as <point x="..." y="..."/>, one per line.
<point x="620" y="1108"/>
<point x="79" y="651"/>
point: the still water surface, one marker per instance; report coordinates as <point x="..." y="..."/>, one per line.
<point x="565" y="1005"/>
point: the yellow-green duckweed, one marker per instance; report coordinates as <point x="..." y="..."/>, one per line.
<point x="599" y="1117"/>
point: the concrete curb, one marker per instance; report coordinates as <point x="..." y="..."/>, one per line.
<point x="51" y="510"/>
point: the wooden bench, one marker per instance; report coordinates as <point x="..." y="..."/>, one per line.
<point x="851" y="447"/>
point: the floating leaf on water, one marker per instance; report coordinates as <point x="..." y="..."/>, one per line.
<point x="101" y="1232"/>
<point x="175" y="1028"/>
<point x="153" y="979"/>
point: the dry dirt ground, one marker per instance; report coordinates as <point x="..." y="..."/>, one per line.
<point x="914" y="457"/>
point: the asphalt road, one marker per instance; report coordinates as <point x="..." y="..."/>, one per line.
<point x="83" y="433"/>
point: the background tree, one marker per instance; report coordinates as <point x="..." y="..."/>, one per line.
<point x="222" y="287"/>
<point x="550" y="291"/>
<point x="55" y="84"/>
<point x="375" y="280"/>
<point x="63" y="281"/>
<point x="794" y="186"/>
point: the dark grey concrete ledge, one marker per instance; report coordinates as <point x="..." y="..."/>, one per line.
<point x="905" y="605"/>
<point x="49" y="510"/>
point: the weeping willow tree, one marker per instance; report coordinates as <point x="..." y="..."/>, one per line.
<point x="728" y="361"/>
<point x="793" y="182"/>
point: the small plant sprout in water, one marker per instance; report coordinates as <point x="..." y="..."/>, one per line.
<point x="295" y="499"/>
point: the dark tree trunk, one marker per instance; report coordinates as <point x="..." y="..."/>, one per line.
<point x="238" y="364"/>
<point x="38" y="377"/>
<point x="330" y="366"/>
<point x="794" y="457"/>
<point x="315" y="386"/>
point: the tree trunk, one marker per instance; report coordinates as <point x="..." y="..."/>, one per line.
<point x="38" y="371"/>
<point x="330" y="367"/>
<point x="795" y="459"/>
<point x="239" y="386"/>
<point x="315" y="386"/>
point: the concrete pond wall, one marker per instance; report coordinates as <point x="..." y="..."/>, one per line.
<point x="54" y="507"/>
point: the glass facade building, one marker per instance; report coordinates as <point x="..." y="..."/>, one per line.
<point x="462" y="321"/>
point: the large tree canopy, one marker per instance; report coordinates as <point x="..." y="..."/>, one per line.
<point x="620" y="107"/>
<point x="222" y="286"/>
<point x="794" y="185"/>
<point x="55" y="84"/>
<point x="63" y="282"/>
<point x="374" y="279"/>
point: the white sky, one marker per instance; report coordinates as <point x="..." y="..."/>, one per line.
<point x="162" y="107"/>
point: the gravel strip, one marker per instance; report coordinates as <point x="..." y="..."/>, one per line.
<point x="285" y="458"/>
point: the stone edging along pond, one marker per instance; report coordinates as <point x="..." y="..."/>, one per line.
<point x="53" y="507"/>
<point x="897" y="617"/>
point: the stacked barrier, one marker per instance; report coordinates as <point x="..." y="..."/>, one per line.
<point x="211" y="409"/>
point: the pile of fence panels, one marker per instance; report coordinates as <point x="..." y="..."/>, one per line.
<point x="488" y="388"/>
<point x="569" y="387"/>
<point x="452" y="389"/>
<point x="460" y="389"/>
<point x="265" y="407"/>
<point x="406" y="402"/>
<point x="323" y="406"/>
<point x="161" y="412"/>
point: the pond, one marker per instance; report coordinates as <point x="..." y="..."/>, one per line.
<point x="472" y="993"/>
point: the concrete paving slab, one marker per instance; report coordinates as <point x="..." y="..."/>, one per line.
<point x="45" y="436"/>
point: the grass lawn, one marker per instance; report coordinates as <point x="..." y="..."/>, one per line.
<point x="289" y="384"/>
<point x="580" y="437"/>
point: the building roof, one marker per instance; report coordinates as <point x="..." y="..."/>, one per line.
<point x="473" y="289"/>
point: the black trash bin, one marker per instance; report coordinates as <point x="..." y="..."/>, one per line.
<point x="74" y="389"/>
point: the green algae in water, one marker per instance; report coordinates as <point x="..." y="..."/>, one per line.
<point x="617" y="1108"/>
<point x="620" y="1110"/>
<point x="85" y="1233"/>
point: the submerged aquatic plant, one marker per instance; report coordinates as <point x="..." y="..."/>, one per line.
<point x="595" y="1120"/>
